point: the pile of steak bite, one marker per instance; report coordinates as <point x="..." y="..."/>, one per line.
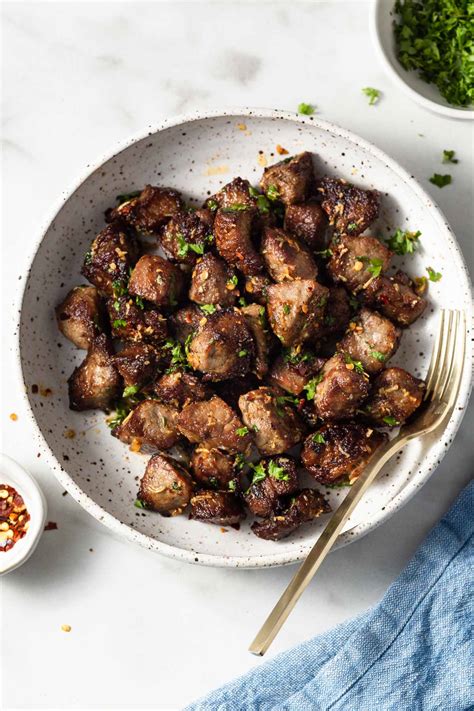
<point x="267" y="329"/>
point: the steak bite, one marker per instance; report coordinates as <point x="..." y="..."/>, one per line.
<point x="272" y="479"/>
<point x="79" y="316"/>
<point x="341" y="390"/>
<point x="293" y="371"/>
<point x="349" y="209"/>
<point x="130" y="322"/>
<point x="166" y="486"/>
<point x="95" y="384"/>
<point x="340" y="451"/>
<point x="276" y="425"/>
<point x="308" y="223"/>
<point x="371" y="339"/>
<point x="291" y="180"/>
<point x="233" y="235"/>
<point x="211" y="467"/>
<point x="156" y="280"/>
<point x="296" y="309"/>
<point x="357" y="261"/>
<point x="285" y="258"/>
<point x="137" y="364"/>
<point x="214" y="424"/>
<point x="213" y="282"/>
<point x="110" y="258"/>
<point x="184" y="237"/>
<point x="256" y="320"/>
<point x="395" y="396"/>
<point x="149" y="211"/>
<point x="257" y="287"/>
<point x="237" y="193"/>
<point x="185" y="322"/>
<point x="303" y="508"/>
<point x="178" y="389"/>
<point x="151" y="425"/>
<point x="395" y="298"/>
<point x="220" y="507"/>
<point x="223" y="346"/>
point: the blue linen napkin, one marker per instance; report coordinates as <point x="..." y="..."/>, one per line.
<point x="412" y="652"/>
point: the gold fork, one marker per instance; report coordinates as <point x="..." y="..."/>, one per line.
<point x="442" y="387"/>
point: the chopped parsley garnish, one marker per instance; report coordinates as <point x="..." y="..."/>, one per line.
<point x="306" y="109"/>
<point x="352" y="226"/>
<point x="139" y="302"/>
<point x="184" y="247"/>
<point x="119" y="323"/>
<point x="311" y="385"/>
<point x="212" y="205"/>
<point x="432" y="275"/>
<point x="404" y="241"/>
<point x="325" y="253"/>
<point x="273" y="193"/>
<point x="263" y="204"/>
<point x="242" y="431"/>
<point x="286" y="309"/>
<point x="242" y="301"/>
<point x="297" y="356"/>
<point x="125" y="197"/>
<point x="375" y="267"/>
<point x="178" y="353"/>
<point x="240" y="462"/>
<point x="277" y="472"/>
<point x="208" y="308"/>
<point x="232" y="485"/>
<point x="130" y="390"/>
<point x="448" y="157"/>
<point x="233" y="281"/>
<point x="440" y="180"/>
<point x="259" y="473"/>
<point x="373" y="94"/>
<point x="88" y="257"/>
<point x="318" y="438"/>
<point x="139" y="504"/>
<point x="235" y="207"/>
<point x="378" y="356"/>
<point x="391" y="421"/>
<point x="435" y="38"/>
<point x="119" y="288"/>
<point x="242" y="353"/>
<point x="358" y="367"/>
<point x="287" y="400"/>
<point x="121" y="411"/>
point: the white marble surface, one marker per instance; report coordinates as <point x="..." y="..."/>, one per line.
<point x="148" y="632"/>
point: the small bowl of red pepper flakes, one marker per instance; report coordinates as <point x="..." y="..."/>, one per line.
<point x="22" y="514"/>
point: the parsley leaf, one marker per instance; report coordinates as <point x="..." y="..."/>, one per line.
<point x="373" y="94"/>
<point x="273" y="193"/>
<point x="208" y="308"/>
<point x="130" y="390"/>
<point x="242" y="431"/>
<point x="391" y="421"/>
<point x="232" y="485"/>
<point x="318" y="438"/>
<point x="378" y="356"/>
<point x="432" y="275"/>
<point x="325" y="253"/>
<point x="119" y="323"/>
<point x="277" y="472"/>
<point x="403" y="242"/>
<point x="440" y="180"/>
<point x="178" y="353"/>
<point x="286" y="309"/>
<point x="311" y="385"/>
<point x="139" y="504"/>
<point x="259" y="473"/>
<point x="212" y="205"/>
<point x="242" y="353"/>
<point x="375" y="267"/>
<point x="296" y="356"/>
<point x="448" y="157"/>
<point x="357" y="365"/>
<point x="184" y="247"/>
<point x="306" y="109"/>
<point x="286" y="400"/>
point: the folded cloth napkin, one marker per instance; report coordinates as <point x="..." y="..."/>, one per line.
<point x="412" y="652"/>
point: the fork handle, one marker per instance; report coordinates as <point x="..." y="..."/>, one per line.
<point x="321" y="548"/>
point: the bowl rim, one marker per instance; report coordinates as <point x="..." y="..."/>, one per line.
<point x="35" y="502"/>
<point x="378" y="7"/>
<point x="270" y="559"/>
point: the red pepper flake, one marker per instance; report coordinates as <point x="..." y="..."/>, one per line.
<point x="51" y="526"/>
<point x="14" y="517"/>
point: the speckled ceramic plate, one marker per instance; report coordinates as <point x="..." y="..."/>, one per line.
<point x="198" y="154"/>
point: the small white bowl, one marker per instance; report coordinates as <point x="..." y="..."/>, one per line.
<point x="427" y="95"/>
<point x="15" y="476"/>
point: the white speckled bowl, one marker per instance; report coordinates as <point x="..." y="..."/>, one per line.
<point x="197" y="154"/>
<point x="427" y="95"/>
